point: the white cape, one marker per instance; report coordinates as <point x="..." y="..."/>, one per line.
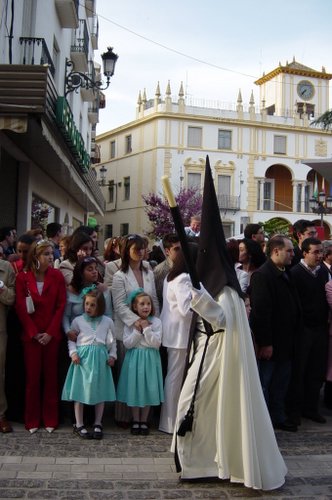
<point x="232" y="436"/>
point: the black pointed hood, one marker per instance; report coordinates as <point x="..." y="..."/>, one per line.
<point x="214" y="266"/>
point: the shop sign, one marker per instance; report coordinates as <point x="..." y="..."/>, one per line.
<point x="66" y="123"/>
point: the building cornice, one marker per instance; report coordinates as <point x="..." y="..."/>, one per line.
<point x="307" y="72"/>
<point x="222" y="121"/>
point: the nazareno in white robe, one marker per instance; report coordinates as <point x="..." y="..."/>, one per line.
<point x="232" y="436"/>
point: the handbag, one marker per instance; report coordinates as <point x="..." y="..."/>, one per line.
<point x="28" y="300"/>
<point x="29" y="304"/>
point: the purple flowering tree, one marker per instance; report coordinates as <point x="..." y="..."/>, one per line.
<point x="189" y="202"/>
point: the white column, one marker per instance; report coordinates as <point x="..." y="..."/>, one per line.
<point x="295" y="184"/>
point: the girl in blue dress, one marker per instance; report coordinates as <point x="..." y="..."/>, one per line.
<point x="141" y="383"/>
<point x="89" y="379"/>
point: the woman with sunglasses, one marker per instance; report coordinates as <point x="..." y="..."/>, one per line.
<point x="41" y="334"/>
<point x="134" y="273"/>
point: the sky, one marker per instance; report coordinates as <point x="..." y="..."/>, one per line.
<point x="215" y="47"/>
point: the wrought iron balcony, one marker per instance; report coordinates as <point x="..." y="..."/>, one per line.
<point x="35" y="51"/>
<point x="95" y="153"/>
<point x="79" y="49"/>
<point x="93" y="114"/>
<point x="227" y="202"/>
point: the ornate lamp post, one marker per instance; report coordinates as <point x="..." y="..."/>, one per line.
<point x="321" y="205"/>
<point x="75" y="79"/>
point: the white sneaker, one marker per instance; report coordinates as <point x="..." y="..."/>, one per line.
<point x="33" y="430"/>
<point x="49" y="429"/>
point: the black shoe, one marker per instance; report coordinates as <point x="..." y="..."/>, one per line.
<point x="145" y="431"/>
<point x="315" y="417"/>
<point x="286" y="426"/>
<point x="79" y="431"/>
<point x="135" y="428"/>
<point x="97" y="432"/>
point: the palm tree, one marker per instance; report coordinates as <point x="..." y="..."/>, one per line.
<point x="325" y="120"/>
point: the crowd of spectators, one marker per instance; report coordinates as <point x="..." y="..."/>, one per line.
<point x="286" y="281"/>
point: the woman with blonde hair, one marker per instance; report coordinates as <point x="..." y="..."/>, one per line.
<point x="41" y="324"/>
<point x="133" y="274"/>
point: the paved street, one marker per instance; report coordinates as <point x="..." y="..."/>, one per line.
<point x="121" y="466"/>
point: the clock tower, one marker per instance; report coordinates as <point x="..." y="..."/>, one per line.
<point x="294" y="88"/>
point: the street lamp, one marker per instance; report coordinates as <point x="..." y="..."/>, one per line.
<point x="103" y="174"/>
<point x="75" y="79"/>
<point x="103" y="182"/>
<point x="321" y="205"/>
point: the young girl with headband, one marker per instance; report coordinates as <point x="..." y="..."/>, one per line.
<point x="89" y="379"/>
<point x="141" y="383"/>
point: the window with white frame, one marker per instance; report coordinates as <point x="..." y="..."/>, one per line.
<point x="308" y="192"/>
<point x="108" y="231"/>
<point x="228" y="229"/>
<point x="224" y="184"/>
<point x="194" y="180"/>
<point x="268" y="194"/>
<point x="111" y="191"/>
<point x="194" y="137"/>
<point x="126" y="185"/>
<point x="112" y="149"/>
<point x="128" y="146"/>
<point x="224" y="139"/>
<point x="279" y="145"/>
<point x="224" y="191"/>
<point x="124" y="229"/>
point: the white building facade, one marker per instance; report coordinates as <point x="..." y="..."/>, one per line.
<point x="47" y="134"/>
<point x="256" y="152"/>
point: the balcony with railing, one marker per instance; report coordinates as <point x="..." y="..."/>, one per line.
<point x="35" y="51"/>
<point x="28" y="87"/>
<point x="93" y="114"/>
<point x="95" y="153"/>
<point x="79" y="49"/>
<point x="89" y="94"/>
<point x="228" y="202"/>
<point x="67" y="11"/>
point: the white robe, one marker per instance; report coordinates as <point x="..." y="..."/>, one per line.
<point x="232" y="436"/>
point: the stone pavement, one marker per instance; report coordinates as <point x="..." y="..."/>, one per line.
<point x="122" y="467"/>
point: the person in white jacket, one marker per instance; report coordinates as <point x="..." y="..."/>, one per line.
<point x="176" y="317"/>
<point x="89" y="379"/>
<point x="140" y="384"/>
<point x="134" y="273"/>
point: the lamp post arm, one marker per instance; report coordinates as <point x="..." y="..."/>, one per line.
<point x="76" y="79"/>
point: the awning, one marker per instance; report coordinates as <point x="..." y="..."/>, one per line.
<point x="18" y="125"/>
<point x="323" y="167"/>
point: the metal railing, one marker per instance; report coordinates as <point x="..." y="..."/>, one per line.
<point x="80" y="41"/>
<point x="35" y="51"/>
<point x="228" y="202"/>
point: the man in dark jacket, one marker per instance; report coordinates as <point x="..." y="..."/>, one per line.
<point x="275" y="317"/>
<point x="311" y="355"/>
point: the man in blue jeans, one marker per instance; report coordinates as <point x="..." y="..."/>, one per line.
<point x="275" y="318"/>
